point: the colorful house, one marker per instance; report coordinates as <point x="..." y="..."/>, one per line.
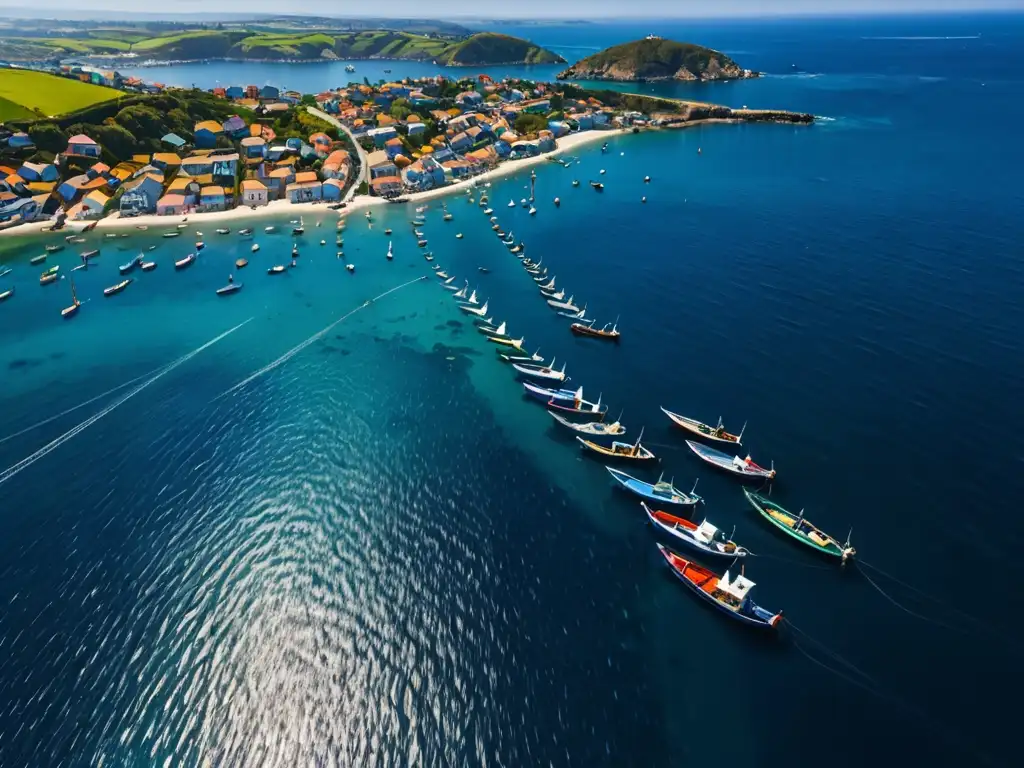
<point x="39" y="172"/>
<point x="380" y="164"/>
<point x="81" y="145"/>
<point x="381" y="136"/>
<point x="386" y="186"/>
<point x="321" y="142"/>
<point x="304" y="191"/>
<point x="94" y="203"/>
<point x="416" y="128"/>
<point x="270" y="92"/>
<point x="19" y="140"/>
<point x="206" y="134"/>
<point x="212" y="198"/>
<point x="235" y="127"/>
<point x="393" y="147"/>
<point x="235" y="92"/>
<point x="71" y="189"/>
<point x="461" y="142"/>
<point x="331" y="189"/>
<point x="140" y="195"/>
<point x="336" y="165"/>
<point x="254" y="192"/>
<point x="173" y="140"/>
<point x="254" y="147"/>
<point x="171" y="205"/>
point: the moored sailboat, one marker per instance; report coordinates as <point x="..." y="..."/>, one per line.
<point x="704" y="538"/>
<point x="588" y="329"/>
<point x="795" y="526"/>
<point x="666" y="493"/>
<point x="716" y="433"/>
<point x="542" y="372"/>
<point x="115" y="289"/>
<point x="734" y="465"/>
<point x="188" y="261"/>
<point x="629" y="451"/>
<point x="75" y="303"/>
<point x="591" y="428"/>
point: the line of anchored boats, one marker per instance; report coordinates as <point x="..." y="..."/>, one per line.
<point x="667" y="508"/>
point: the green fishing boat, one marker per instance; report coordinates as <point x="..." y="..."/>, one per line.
<point x="796" y="526"/>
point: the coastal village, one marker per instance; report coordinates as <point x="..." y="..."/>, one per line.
<point x="385" y="140"/>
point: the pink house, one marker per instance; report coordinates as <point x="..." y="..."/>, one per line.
<point x="81" y="145"/>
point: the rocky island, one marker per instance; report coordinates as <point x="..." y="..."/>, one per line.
<point x="654" y="59"/>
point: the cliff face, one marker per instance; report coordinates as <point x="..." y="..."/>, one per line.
<point x="655" y="59"/>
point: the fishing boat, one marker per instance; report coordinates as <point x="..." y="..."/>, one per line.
<point x="115" y="289"/>
<point x="666" y="493"/>
<point x="75" y="304"/>
<point x="441" y="273"/>
<point x="271" y="229"/>
<point x="581" y="315"/>
<point x="447" y="217"/>
<point x="38" y="259"/>
<point x="276" y="270"/>
<point x="188" y="261"/>
<point x="631" y="451"/>
<point x="148" y="266"/>
<point x="387" y="231"/>
<point x="543" y="372"/>
<point x="471" y="310"/>
<point x="223" y="231"/>
<point x="546" y="395"/>
<point x="246" y="231"/>
<point x="299" y="230"/>
<point x="5" y="272"/>
<point x="461" y="294"/>
<point x="49" y="276"/>
<point x="534" y="358"/>
<point x="91" y="254"/>
<point x="488" y="211"/>
<point x="798" y="528"/>
<point x="124" y="269"/>
<point x="575" y="182"/>
<point x="548" y="286"/>
<point x="581" y="407"/>
<point x="490" y="330"/>
<point x="564" y="304"/>
<point x="76" y="240"/>
<point x="241" y="263"/>
<point x="231" y="287"/>
<point x="295" y="251"/>
<point x="705" y="537"/>
<point x="458" y="235"/>
<point x="734" y="465"/>
<point x="717" y="433"/>
<point x="350" y="267"/>
<point x="554" y="295"/>
<point x="731" y="596"/>
<point x="588" y="329"/>
<point x="172" y="234"/>
<point x="421" y="243"/>
<point x="200" y="245"/>
<point x="597" y="185"/>
<point x="391" y="254"/>
<point x="508" y="341"/>
<point x="55" y="247"/>
<point x="511" y="203"/>
<point x="597" y="428"/>
<point x="6" y="294"/>
<point x="472" y="298"/>
<point x="255" y="247"/>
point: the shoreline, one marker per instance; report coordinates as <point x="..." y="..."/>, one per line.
<point x="283" y="207"/>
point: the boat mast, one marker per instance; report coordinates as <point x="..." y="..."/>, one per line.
<point x="739" y="439"/>
<point x="74" y="296"/>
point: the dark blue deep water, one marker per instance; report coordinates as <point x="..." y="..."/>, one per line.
<point x="377" y="553"/>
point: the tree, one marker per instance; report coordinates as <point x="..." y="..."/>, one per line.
<point x="48" y="136"/>
<point x="308" y="100"/>
<point x="527" y="123"/>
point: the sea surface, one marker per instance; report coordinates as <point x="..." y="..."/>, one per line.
<point x="376" y="552"/>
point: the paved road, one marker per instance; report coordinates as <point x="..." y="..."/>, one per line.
<point x="364" y="171"/>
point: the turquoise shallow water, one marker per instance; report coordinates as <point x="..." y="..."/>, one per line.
<point x="375" y="554"/>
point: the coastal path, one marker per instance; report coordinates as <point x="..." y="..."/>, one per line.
<point x="364" y="171"/>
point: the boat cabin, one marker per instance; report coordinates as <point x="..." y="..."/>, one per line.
<point x="733" y="593"/>
<point x="707" y="533"/>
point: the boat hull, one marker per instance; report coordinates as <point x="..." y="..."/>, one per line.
<point x="832" y="550"/>
<point x="724" y="462"/>
<point x="683" y="534"/>
<point x="694" y="427"/>
<point x="646" y="490"/>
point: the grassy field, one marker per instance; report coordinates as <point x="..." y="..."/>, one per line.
<point x="162" y="42"/>
<point x="49" y="94"/>
<point x="11" y="111"/>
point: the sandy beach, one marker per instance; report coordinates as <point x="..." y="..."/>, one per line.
<point x="285" y="208"/>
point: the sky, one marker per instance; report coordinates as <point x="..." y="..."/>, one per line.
<point x="454" y="9"/>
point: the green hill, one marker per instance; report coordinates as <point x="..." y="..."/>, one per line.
<point x="476" y="50"/>
<point x="654" y="58"/>
<point x="26" y="93"/>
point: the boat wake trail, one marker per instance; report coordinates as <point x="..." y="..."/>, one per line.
<point x="73" y="408"/>
<point x="312" y="339"/>
<point x="28" y="461"/>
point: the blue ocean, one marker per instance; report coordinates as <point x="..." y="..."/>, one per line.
<point x="290" y="527"/>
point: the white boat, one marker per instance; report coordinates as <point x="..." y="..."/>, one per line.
<point x="255" y="247"/>
<point x="441" y="273"/>
<point x="533" y="211"/>
<point x="544" y="372"/>
<point x="350" y="267"/>
<point x="270" y="229"/>
<point x="705" y="537"/>
<point x="489" y="330"/>
<point x="557" y="295"/>
<point x="447" y="285"/>
<point x="472" y="298"/>
<point x="549" y="285"/>
<point x="525" y="203"/>
<point x="581" y="315"/>
<point x="391" y="255"/>
<point x="488" y="211"/>
<point x="471" y="310"/>
<point x="511" y="203"/>
<point x="591" y="428"/>
<point x="564" y="304"/>
<point x="462" y="291"/>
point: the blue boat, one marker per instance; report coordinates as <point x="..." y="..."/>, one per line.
<point x="130" y="266"/>
<point x="729" y="595"/>
<point x="661" y="491"/>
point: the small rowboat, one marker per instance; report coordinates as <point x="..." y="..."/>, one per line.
<point x="124" y="269"/>
<point x="631" y="451"/>
<point x="593" y="428"/>
<point x="48" y="277"/>
<point x="552" y="395"/>
<point x="115" y="289"/>
<point x="666" y="493"/>
<point x="223" y="231"/>
<point x="730" y="596"/>
<point x="705" y="538"/>
<point x="91" y="254"/>
<point x="548" y="286"/>
<point x="148" y="266"/>
<point x="54" y="248"/>
<point x="37" y="259"/>
<point x="188" y="261"/>
<point x="534" y="358"/>
<point x="228" y="289"/>
<point x="241" y="263"/>
<point x="543" y="372"/>
<point x="277" y="270"/>
<point x="800" y="529"/>
<point x="588" y="329"/>
<point x="172" y="234"/>
<point x="469" y="309"/>
<point x="732" y="464"/>
<point x="717" y="434"/>
<point x="6" y="294"/>
<point x="246" y="231"/>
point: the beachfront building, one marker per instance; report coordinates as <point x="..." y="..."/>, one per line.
<point x="81" y="145"/>
<point x="212" y="198"/>
<point x="425" y="173"/>
<point x="336" y="165"/>
<point x="304" y="191"/>
<point x="380" y="164"/>
<point x="38" y="172"/>
<point x="331" y="189"/>
<point x="140" y="195"/>
<point x="71" y="189"/>
<point x="386" y="186"/>
<point x="278" y="180"/>
<point x="171" y="205"/>
<point x="206" y="134"/>
<point x="254" y="192"/>
<point x="93" y="204"/>
<point x="270" y="92"/>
